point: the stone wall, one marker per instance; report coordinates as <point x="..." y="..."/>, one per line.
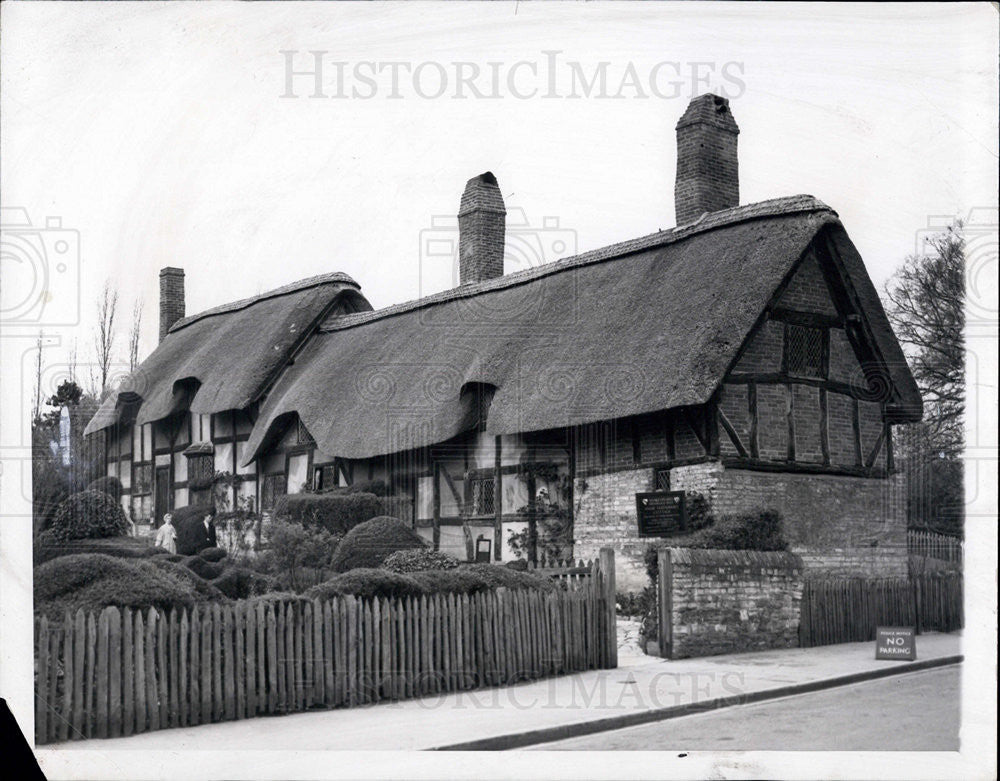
<point x="732" y="601"/>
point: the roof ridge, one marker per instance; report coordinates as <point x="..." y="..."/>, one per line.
<point x="243" y="303"/>
<point x="706" y="222"/>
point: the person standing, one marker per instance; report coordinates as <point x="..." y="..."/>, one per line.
<point x="166" y="535"/>
<point x="208" y="537"/>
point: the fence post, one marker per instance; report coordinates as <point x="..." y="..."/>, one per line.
<point x="607" y="566"/>
<point x="663" y="600"/>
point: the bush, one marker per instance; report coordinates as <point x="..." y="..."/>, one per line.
<point x="188" y="521"/>
<point x="122" y="547"/>
<point x="761" y="531"/>
<point x="206" y="591"/>
<point x="337" y="513"/>
<point x="203" y="569"/>
<point x="521" y="565"/>
<point x="242" y="583"/>
<point x="369" y="543"/>
<point x="367" y="583"/>
<point x="87" y="515"/>
<point x="212" y="554"/>
<point x="92" y="581"/>
<point x="635" y="603"/>
<point x="293" y="550"/>
<point x="112" y="486"/>
<point x="418" y="560"/>
<point x="480" y="577"/>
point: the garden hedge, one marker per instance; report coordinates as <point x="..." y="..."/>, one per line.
<point x="338" y="511"/>
<point x="369" y="543"/>
<point x="93" y="581"/>
<point x="418" y="560"/>
<point x="367" y="583"/>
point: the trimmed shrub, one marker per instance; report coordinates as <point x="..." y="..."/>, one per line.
<point x="242" y="583"/>
<point x="203" y="569"/>
<point x="155" y="550"/>
<point x="112" y="486"/>
<point x="205" y="590"/>
<point x="93" y="581"/>
<point x="480" y="577"/>
<point x="377" y="487"/>
<point x="521" y="565"/>
<point x="367" y="583"/>
<point x="212" y="554"/>
<point x="86" y="515"/>
<point x="337" y="513"/>
<point x="188" y="521"/>
<point x="277" y="596"/>
<point x="369" y="543"/>
<point x="122" y="547"/>
<point x="418" y="560"/>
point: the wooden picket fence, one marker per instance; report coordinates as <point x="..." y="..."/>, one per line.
<point x="848" y="610"/>
<point x="122" y="672"/>
<point x="568" y="574"/>
<point x="935" y="546"/>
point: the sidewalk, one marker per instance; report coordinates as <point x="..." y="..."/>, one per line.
<point x="640" y="690"/>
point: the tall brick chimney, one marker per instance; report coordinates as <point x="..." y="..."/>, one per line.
<point x="482" y="220"/>
<point x="171" y="298"/>
<point x="708" y="177"/>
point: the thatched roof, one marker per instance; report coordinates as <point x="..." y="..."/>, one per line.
<point x="223" y="358"/>
<point x="645" y="325"/>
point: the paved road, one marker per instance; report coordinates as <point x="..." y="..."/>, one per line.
<point x="912" y="712"/>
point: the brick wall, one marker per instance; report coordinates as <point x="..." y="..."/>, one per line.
<point x="733" y="601"/>
<point x="606" y="516"/>
<point x="839" y="525"/>
<point x="807" y="290"/>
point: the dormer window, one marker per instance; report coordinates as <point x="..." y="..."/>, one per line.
<point x="804" y="349"/>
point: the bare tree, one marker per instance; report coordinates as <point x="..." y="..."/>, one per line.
<point x="104" y="336"/>
<point x="924" y="301"/>
<point x="135" y="330"/>
<point x="925" y="304"/>
<point x="36" y="404"/>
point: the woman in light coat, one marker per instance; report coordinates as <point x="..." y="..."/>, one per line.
<point x="166" y="536"/>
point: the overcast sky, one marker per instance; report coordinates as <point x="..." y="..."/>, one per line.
<point x="160" y="132"/>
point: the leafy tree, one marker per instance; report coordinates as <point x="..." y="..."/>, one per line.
<point x="924" y="302"/>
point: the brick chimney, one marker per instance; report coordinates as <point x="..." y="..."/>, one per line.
<point x="171" y="298"/>
<point x="708" y="177"/>
<point x="482" y="220"/>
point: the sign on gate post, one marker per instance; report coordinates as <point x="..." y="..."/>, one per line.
<point x="895" y="642"/>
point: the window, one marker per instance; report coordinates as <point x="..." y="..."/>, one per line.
<point x="481" y="496"/>
<point x="662" y="480"/>
<point x="274" y="487"/>
<point x="142" y="481"/>
<point x="302" y="435"/>
<point x="804" y="350"/>
<point x="200" y="469"/>
<point x="325" y="477"/>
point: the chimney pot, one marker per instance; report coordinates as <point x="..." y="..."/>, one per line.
<point x="482" y="220"/>
<point x="707" y="167"/>
<point x="171" y="298"/>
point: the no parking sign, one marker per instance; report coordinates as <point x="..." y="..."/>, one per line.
<point x="895" y="642"/>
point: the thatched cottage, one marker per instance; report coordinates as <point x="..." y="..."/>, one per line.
<point x="743" y="355"/>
